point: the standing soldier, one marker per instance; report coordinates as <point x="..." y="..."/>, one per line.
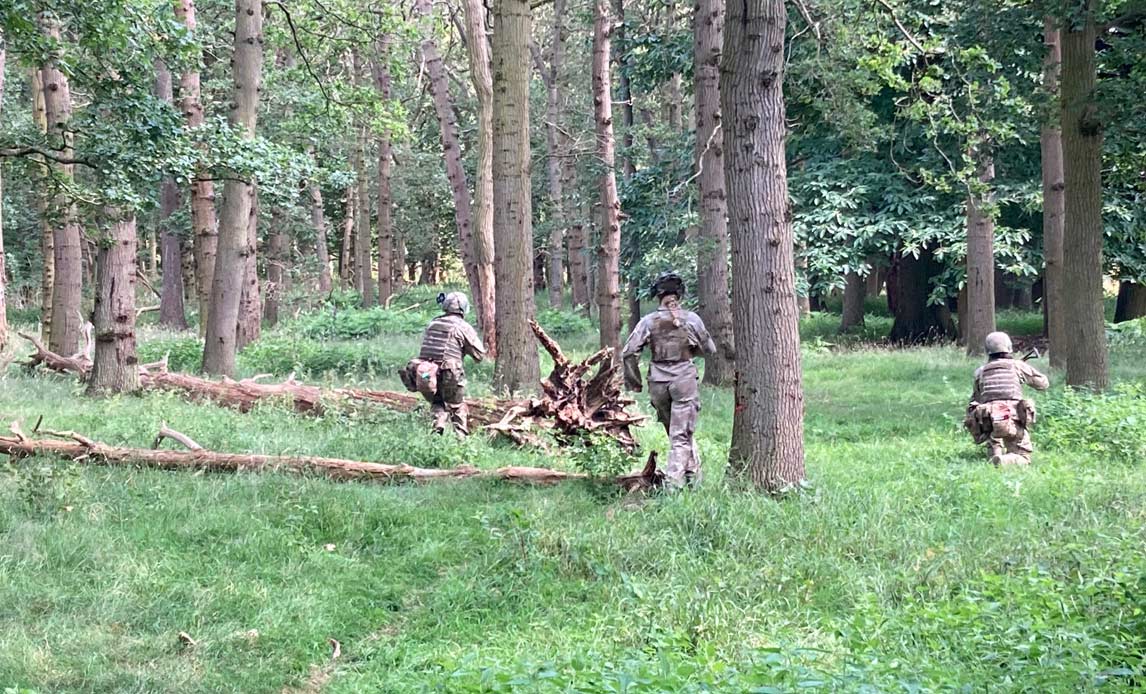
<point x="676" y="336"/>
<point x="998" y="414"/>
<point x="437" y="373"/>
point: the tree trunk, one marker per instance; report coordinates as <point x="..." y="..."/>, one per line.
<point x="47" y="234"/>
<point x="609" y="252"/>
<point x="768" y="424"/>
<point x="385" y="156"/>
<point x="1086" y="357"/>
<point x="114" y="365"/>
<point x="980" y="259"/>
<point x="250" y="308"/>
<point x="482" y="78"/>
<point x="3" y="271"/>
<point x="578" y="272"/>
<point x="803" y="300"/>
<point x="518" y="367"/>
<point x="1053" y="206"/>
<point x="556" y="143"/>
<point x="220" y="348"/>
<point x="624" y="94"/>
<point x="204" y="224"/>
<point x="347" y="240"/>
<point x="916" y="321"/>
<point x="318" y="222"/>
<point x="67" y="285"/>
<point x="855" y="291"/>
<point x="1131" y="303"/>
<point x="364" y="267"/>
<point x="278" y="259"/>
<point x="451" y="149"/>
<point x="712" y="247"/>
<point x="171" y="310"/>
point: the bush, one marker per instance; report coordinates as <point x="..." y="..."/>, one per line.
<point x="183" y="353"/>
<point x="352" y="324"/>
<point x="562" y="323"/>
<point x="1111" y="425"/>
<point x="24" y="316"/>
<point x="1131" y="332"/>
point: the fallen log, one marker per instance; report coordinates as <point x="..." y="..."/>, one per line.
<point x="73" y="446"/>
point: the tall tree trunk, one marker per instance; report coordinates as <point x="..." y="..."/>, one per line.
<point x="204" y="224"/>
<point x="114" y="365"/>
<point x="362" y="237"/>
<point x="451" y="149"/>
<point x="980" y="259"/>
<point x="385" y="156"/>
<point x="803" y="300"/>
<point x="3" y="270"/>
<point x="1131" y="303"/>
<point x="624" y="94"/>
<point x="318" y="223"/>
<point x="47" y="233"/>
<point x="278" y="260"/>
<point x="344" y="270"/>
<point x="518" y="367"/>
<point x="171" y="310"/>
<point x="916" y="320"/>
<point x="1053" y="206"/>
<point x="220" y="348"/>
<point x="578" y="272"/>
<point x="768" y="424"/>
<point x="712" y="246"/>
<point x="482" y="78"/>
<point x="855" y="291"/>
<point x="555" y="142"/>
<point x="67" y="287"/>
<point x="1086" y="357"/>
<point x="609" y="252"/>
<point x="250" y="300"/>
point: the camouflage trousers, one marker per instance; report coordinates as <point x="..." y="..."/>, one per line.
<point x="678" y="405"/>
<point x="1002" y="425"/>
<point x="448" y="403"/>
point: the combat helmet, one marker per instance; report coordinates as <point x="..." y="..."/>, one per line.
<point x="667" y="283"/>
<point x="455" y="303"/>
<point x="998" y="343"/>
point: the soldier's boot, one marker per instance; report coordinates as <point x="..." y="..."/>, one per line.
<point x="441" y="418"/>
<point x="1013" y="459"/>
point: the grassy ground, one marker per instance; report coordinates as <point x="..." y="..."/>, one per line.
<point x="909" y="564"/>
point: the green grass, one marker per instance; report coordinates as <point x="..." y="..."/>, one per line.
<point x="908" y="565"/>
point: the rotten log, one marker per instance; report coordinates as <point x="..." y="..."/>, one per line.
<point x="79" y="448"/>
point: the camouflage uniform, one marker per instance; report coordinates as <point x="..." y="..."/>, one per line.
<point x="998" y="415"/>
<point x="438" y="373"/>
<point x="676" y="336"/>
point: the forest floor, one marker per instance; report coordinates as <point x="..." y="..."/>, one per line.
<point x="909" y="564"/>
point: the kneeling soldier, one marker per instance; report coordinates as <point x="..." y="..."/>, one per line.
<point x="437" y="373"/>
<point x="998" y="415"/>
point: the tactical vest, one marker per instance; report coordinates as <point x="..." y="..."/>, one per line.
<point x="999" y="380"/>
<point x="441" y="341"/>
<point x="669" y="338"/>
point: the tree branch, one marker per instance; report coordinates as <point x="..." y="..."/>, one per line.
<point x="45" y="153"/>
<point x="902" y="29"/>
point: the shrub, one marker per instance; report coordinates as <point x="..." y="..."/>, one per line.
<point x="1131" y="332"/>
<point x="183" y="353"/>
<point x="352" y="324"/>
<point x="1112" y="425"/>
<point x="562" y="323"/>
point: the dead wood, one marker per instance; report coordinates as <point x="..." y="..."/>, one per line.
<point x="73" y="446"/>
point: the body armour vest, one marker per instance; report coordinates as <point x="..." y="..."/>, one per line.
<point x="999" y="380"/>
<point x="442" y="340"/>
<point x="669" y="338"/>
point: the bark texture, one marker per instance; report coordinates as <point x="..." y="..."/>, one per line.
<point x="318" y="223"/>
<point x="715" y="309"/>
<point x="47" y="234"/>
<point x="278" y="264"/>
<point x="518" y="367"/>
<point x="1053" y="205"/>
<point x="451" y="148"/>
<point x="980" y="260"/>
<point x="557" y="144"/>
<point x="385" y="157"/>
<point x="609" y="252"/>
<point x="482" y="78"/>
<point x="204" y="223"/>
<point x="364" y="267"/>
<point x="172" y="313"/>
<point x="220" y="348"/>
<point x="347" y="243"/>
<point x="1131" y="303"/>
<point x="67" y="282"/>
<point x="855" y="291"/>
<point x="1086" y="357"/>
<point x="249" y="325"/>
<point x="114" y="365"/>
<point x="916" y="320"/>
<point x="578" y="267"/>
<point x="768" y="425"/>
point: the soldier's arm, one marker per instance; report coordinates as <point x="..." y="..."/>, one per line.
<point x="631" y="355"/>
<point x="1033" y="377"/>
<point x="707" y="344"/>
<point x="472" y="345"/>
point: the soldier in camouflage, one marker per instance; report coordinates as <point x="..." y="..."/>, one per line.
<point x="675" y="336"/>
<point x="998" y="415"/>
<point x="437" y="373"/>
